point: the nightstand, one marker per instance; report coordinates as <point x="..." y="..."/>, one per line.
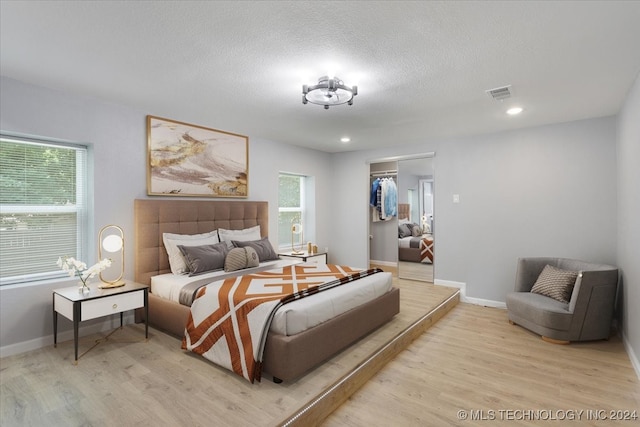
<point x="78" y="307"/>
<point x="318" y="258"/>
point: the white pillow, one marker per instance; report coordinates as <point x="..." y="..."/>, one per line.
<point x="244" y="235"/>
<point x="171" y="242"/>
<point x="403" y="221"/>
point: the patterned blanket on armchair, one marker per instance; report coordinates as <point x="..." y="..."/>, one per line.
<point x="230" y="319"/>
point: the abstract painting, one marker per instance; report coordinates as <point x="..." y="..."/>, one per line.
<point x="191" y="160"/>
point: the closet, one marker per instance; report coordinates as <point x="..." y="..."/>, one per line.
<point x="402" y="223"/>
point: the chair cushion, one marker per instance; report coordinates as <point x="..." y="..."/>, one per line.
<point x="540" y="310"/>
<point x="555" y="283"/>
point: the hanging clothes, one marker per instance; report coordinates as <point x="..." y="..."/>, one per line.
<point x="373" y="200"/>
<point x="383" y="199"/>
<point x="391" y="199"/>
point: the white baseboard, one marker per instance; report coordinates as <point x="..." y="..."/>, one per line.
<point x="450" y="283"/>
<point x="463" y="294"/>
<point x="486" y="302"/>
<point x="36" y="343"/>
<point x="632" y="355"/>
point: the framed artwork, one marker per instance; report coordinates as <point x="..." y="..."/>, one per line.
<point x="191" y="160"/>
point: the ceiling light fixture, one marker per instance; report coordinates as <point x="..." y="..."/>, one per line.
<point x="513" y="111"/>
<point x="345" y="139"/>
<point x="329" y="91"/>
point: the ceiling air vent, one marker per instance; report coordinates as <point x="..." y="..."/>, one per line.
<point x="500" y="93"/>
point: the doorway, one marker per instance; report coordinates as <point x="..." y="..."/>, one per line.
<point x="405" y="244"/>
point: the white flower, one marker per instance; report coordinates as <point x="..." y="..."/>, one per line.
<point x="78" y="268"/>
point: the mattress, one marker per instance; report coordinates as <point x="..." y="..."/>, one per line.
<point x="299" y="315"/>
<point x="404" y="242"/>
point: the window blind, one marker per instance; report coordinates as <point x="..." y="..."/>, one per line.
<point x="43" y="207"/>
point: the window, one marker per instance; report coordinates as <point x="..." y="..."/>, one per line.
<point x="291" y="203"/>
<point x="43" y="207"/>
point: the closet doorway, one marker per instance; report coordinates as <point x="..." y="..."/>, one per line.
<point x="405" y="243"/>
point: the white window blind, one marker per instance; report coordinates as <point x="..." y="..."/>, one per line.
<point x="43" y="207"/>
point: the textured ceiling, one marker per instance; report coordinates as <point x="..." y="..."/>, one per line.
<point x="422" y="68"/>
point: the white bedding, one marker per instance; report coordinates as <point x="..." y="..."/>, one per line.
<point x="168" y="285"/>
<point x="298" y="315"/>
<point x="404" y="242"/>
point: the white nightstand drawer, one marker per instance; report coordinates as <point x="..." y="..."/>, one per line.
<point x="109" y="305"/>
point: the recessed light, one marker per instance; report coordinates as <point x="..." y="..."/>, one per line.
<point x="345" y="139"/>
<point x="513" y="111"/>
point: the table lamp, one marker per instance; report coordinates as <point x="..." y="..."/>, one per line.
<point x="111" y="239"/>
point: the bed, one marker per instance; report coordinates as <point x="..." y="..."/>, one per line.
<point x="286" y="357"/>
<point x="413" y="246"/>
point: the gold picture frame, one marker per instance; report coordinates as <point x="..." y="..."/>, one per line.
<point x="191" y="160"/>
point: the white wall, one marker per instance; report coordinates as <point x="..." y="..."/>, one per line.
<point x="548" y="190"/>
<point x="629" y="219"/>
<point x="117" y="137"/>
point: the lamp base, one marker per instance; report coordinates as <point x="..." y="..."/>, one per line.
<point x="111" y="285"/>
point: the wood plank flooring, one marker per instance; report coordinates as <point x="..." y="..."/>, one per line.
<point x="474" y="360"/>
<point x="126" y="381"/>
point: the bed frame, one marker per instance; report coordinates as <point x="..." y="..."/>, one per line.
<point x="285" y="357"/>
<point x="407" y="254"/>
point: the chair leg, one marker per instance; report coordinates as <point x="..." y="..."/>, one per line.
<point x="511" y="322"/>
<point x="554" y="341"/>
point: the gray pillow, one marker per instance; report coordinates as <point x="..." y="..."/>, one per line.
<point x="404" y="231"/>
<point x="241" y="258"/>
<point x="555" y="283"/>
<point x="201" y="259"/>
<point x="262" y="247"/>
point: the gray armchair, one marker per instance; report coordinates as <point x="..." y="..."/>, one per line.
<point x="588" y="314"/>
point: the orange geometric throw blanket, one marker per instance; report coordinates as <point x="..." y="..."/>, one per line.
<point x="426" y="250"/>
<point x="230" y="319"/>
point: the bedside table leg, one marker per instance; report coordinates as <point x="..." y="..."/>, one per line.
<point x="55" y="329"/>
<point x="146" y="313"/>
<point x="76" y="323"/>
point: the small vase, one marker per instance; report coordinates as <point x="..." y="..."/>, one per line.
<point x="83" y="288"/>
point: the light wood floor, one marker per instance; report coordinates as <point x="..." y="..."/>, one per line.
<point x="126" y="381"/>
<point x="415" y="271"/>
<point x="474" y="360"/>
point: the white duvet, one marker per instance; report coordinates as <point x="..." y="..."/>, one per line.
<point x="299" y="315"/>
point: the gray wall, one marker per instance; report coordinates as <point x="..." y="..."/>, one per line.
<point x="117" y="136"/>
<point x="549" y="190"/>
<point x="629" y="217"/>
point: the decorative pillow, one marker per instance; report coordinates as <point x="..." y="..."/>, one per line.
<point x="171" y="242"/>
<point x="262" y="247"/>
<point x="201" y="259"/>
<point x="403" y="221"/>
<point x="251" y="233"/>
<point x="555" y="283"/>
<point x="404" y="231"/>
<point x="415" y="229"/>
<point x="241" y="258"/>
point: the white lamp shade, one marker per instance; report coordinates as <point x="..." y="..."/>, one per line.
<point x="112" y="243"/>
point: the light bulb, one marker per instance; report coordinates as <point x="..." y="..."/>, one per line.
<point x="112" y="243"/>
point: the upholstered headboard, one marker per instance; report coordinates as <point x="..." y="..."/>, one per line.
<point x="403" y="210"/>
<point x="154" y="217"/>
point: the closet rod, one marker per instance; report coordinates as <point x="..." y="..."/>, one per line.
<point x="384" y="173"/>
